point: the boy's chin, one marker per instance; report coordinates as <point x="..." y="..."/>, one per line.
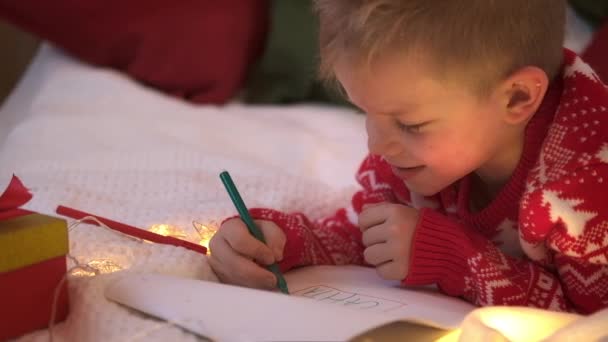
<point x="426" y="190"/>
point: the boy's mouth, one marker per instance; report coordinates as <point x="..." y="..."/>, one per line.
<point x="406" y="172"/>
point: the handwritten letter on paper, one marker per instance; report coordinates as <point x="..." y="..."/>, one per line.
<point x="335" y="296"/>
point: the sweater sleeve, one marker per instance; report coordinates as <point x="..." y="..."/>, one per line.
<point x="335" y="239"/>
<point x="464" y="263"/>
<point x="565" y="232"/>
<point x="569" y="218"/>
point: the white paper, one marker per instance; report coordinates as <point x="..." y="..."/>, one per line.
<point x="327" y="303"/>
<point x="362" y="289"/>
<point x="229" y="313"/>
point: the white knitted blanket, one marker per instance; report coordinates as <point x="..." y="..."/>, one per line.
<point x="93" y="140"/>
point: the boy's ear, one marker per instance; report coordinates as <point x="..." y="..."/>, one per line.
<point x="522" y="93"/>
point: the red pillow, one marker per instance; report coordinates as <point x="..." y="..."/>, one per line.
<point x="200" y="50"/>
<point x="596" y="53"/>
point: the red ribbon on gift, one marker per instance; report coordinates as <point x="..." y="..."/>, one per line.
<point x="15" y="195"/>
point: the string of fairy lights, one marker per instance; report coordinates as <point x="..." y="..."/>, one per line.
<point x="203" y="235"/>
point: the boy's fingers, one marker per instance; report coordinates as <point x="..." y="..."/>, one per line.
<point x="220" y="250"/>
<point x="374" y="235"/>
<point x="370" y="205"/>
<point x="377" y="254"/>
<point x="250" y="274"/>
<point x="373" y="216"/>
<point x="391" y="271"/>
<point x="275" y="238"/>
<point x="239" y="238"/>
<point x="233" y="268"/>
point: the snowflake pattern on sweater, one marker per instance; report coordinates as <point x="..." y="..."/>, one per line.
<point x="542" y="242"/>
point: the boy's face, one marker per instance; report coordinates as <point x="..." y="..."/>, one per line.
<point x="432" y="132"/>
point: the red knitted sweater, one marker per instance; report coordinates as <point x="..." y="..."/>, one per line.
<point x="542" y="242"/>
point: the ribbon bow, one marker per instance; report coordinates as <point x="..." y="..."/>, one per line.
<point x="15" y="195"/>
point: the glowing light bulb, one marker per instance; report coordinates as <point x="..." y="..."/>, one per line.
<point x="102" y="266"/>
<point x="515" y="324"/>
<point x="168" y="230"/>
<point x="205" y="233"/>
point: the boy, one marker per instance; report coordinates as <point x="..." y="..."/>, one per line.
<point x="488" y="165"/>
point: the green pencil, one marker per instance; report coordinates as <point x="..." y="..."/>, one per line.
<point x="251" y="226"/>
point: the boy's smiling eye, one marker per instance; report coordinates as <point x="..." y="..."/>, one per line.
<point x="410" y="128"/>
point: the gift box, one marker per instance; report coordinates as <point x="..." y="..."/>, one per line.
<point x="33" y="250"/>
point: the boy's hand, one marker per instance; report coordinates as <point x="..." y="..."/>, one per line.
<point x="388" y="230"/>
<point x="236" y="255"/>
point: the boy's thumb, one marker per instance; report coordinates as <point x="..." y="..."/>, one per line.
<point x="275" y="238"/>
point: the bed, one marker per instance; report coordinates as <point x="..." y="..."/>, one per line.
<point x="93" y="139"/>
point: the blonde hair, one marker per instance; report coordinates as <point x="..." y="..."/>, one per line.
<point x="486" y="40"/>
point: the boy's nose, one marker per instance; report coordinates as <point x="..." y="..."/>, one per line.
<point x="380" y="142"/>
<point x="382" y="146"/>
